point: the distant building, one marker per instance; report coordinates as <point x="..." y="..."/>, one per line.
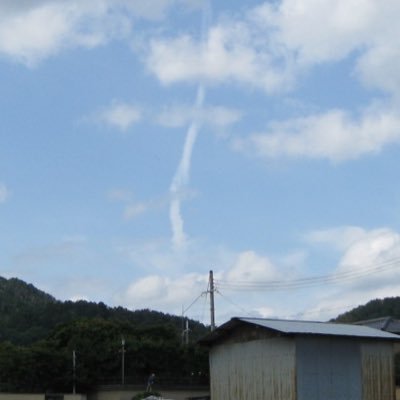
<point x="263" y="359"/>
<point x="387" y="324"/>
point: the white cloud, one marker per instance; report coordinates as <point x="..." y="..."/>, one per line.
<point x="120" y="115"/>
<point x="321" y="31"/>
<point x="171" y="290"/>
<point x="147" y="289"/>
<point x="251" y="267"/>
<point x="340" y="238"/>
<point x="181" y="176"/>
<point x="4" y="193"/>
<point x="266" y="47"/>
<point x="368" y="269"/>
<point x="379" y="68"/>
<point x="333" y="135"/>
<point x="377" y="248"/>
<point x="32" y="31"/>
<point x="271" y="44"/>
<point x="231" y="52"/>
<point x="214" y="116"/>
<point x="160" y="257"/>
<point x="164" y="293"/>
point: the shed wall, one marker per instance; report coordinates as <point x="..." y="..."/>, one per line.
<point x="378" y="371"/>
<point x="259" y="369"/>
<point x="328" y="369"/>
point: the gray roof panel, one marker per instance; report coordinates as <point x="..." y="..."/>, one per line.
<point x="319" y="328"/>
<point x="388" y="324"/>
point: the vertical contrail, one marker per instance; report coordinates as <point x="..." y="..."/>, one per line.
<point x="181" y="177"/>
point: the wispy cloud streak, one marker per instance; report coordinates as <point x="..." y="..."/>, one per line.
<point x="182" y="174"/>
<point x="181" y="177"/>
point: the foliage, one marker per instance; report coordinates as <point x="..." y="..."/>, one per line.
<point x="40" y="334"/>
<point x="390" y="306"/>
<point x="27" y="314"/>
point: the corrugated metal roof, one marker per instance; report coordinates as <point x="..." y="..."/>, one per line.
<point x="288" y="327"/>
<point x="388" y="324"/>
<point x="320" y="328"/>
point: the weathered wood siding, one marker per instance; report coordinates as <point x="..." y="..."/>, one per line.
<point x="328" y="369"/>
<point x="255" y="370"/>
<point x="377" y="371"/>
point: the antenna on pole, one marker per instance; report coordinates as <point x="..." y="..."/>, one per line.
<point x="212" y="307"/>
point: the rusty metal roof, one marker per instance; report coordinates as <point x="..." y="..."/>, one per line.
<point x="288" y="327"/>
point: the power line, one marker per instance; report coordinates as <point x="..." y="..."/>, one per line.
<point x="233" y="303"/>
<point x="192" y="303"/>
<point x="203" y="313"/>
<point x="308" y="281"/>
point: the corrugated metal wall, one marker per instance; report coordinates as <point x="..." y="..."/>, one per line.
<point x="255" y="370"/>
<point x="328" y="369"/>
<point x="377" y="371"/>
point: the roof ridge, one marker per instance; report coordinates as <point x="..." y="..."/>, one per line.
<point x="372" y="319"/>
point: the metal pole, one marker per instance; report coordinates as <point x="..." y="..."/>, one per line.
<point x="123" y="361"/>
<point x="73" y="372"/>
<point x="212" y="308"/>
<point x="183" y="325"/>
<point x="187" y="332"/>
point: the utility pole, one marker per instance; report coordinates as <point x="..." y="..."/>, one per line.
<point x="73" y="372"/>
<point x="183" y="325"/>
<point x="212" y="307"/>
<point x="187" y="332"/>
<point x="123" y="361"/>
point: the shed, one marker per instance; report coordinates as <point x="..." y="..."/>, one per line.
<point x="266" y="359"/>
<point x="388" y="324"/>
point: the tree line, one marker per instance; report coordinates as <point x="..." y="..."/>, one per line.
<point x="39" y="335"/>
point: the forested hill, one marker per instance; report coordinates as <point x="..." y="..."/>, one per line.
<point x="389" y="306"/>
<point x="39" y="335"/>
<point x="28" y="314"/>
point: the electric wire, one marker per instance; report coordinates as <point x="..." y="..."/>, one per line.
<point x="203" y="313"/>
<point x="233" y="303"/>
<point x="192" y="303"/>
<point x="308" y="281"/>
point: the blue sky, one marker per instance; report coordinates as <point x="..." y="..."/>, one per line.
<point x="144" y="143"/>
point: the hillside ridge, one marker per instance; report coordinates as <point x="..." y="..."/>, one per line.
<point x="28" y="314"/>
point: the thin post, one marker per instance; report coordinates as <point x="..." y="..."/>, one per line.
<point x="73" y="372"/>
<point x="123" y="361"/>
<point x="212" y="307"/>
<point x="187" y="332"/>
